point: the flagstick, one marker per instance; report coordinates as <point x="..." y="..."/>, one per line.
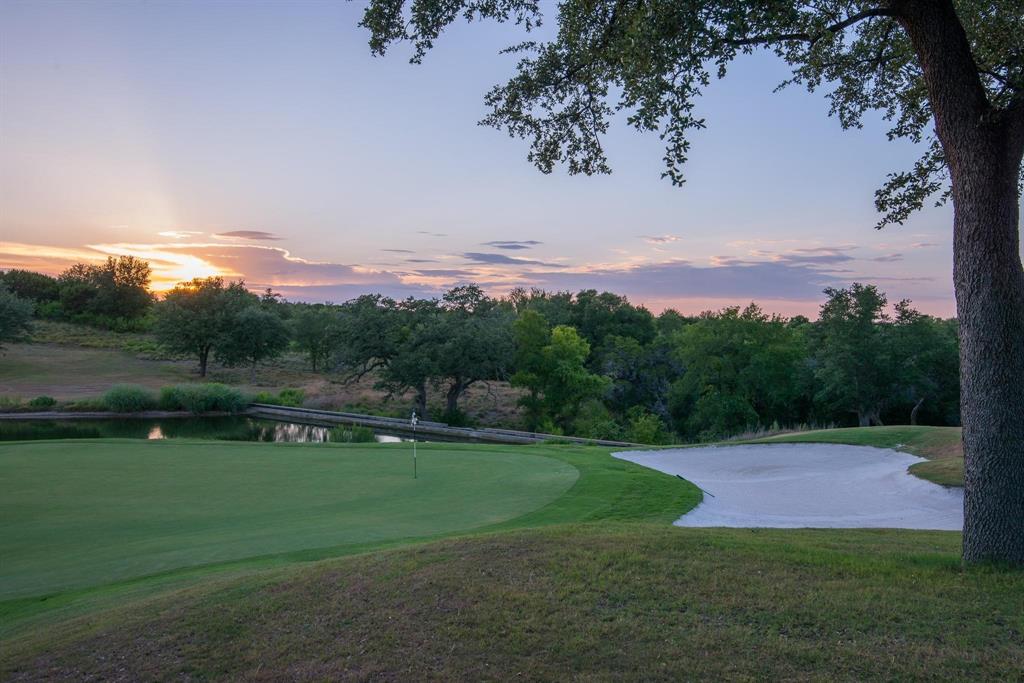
<point x="414" y="421"/>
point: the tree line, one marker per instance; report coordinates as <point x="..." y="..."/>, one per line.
<point x="589" y="364"/>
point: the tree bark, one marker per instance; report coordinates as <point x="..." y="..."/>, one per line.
<point x="421" y="401"/>
<point x="983" y="148"/>
<point x="989" y="282"/>
<point x="915" y="410"/>
<point x="204" y="355"/>
<point x="455" y="391"/>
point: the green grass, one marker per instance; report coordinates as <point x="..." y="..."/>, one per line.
<point x="124" y="509"/>
<point x="581" y="602"/>
<point x="586" y="581"/>
<point x="84" y="522"/>
<point x="941" y="445"/>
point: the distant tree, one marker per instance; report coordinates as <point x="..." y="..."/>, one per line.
<point x="531" y="333"/>
<point x="599" y="316"/>
<point x="640" y="375"/>
<point x="567" y="381"/>
<point x="741" y="369"/>
<point x="367" y="336"/>
<point x="925" y="359"/>
<point x="33" y="286"/>
<point x="15" y="315"/>
<point x="556" y="307"/>
<point x="671" y="321"/>
<point x="551" y="366"/>
<point x="314" y="328"/>
<point x="854" y="363"/>
<point x="254" y="335"/>
<point x="395" y="342"/>
<point x="196" y="316"/>
<point x="946" y="73"/>
<point x="475" y="343"/>
<point x="117" y="288"/>
<point x="415" y="360"/>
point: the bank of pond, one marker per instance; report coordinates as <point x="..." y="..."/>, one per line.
<point x="226" y="428"/>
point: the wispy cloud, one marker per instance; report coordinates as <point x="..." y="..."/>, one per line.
<point x="888" y="258"/>
<point x="660" y="239"/>
<point x="503" y="260"/>
<point x="400" y="251"/>
<point x="432" y="234"/>
<point x="179" y="234"/>
<point x="448" y="273"/>
<point x="247" y="235"/>
<point x="512" y="244"/>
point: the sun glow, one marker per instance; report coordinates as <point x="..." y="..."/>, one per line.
<point x="169" y="267"/>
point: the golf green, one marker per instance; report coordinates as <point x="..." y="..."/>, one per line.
<point x="75" y="514"/>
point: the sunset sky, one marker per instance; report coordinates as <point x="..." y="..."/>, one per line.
<point x="261" y="140"/>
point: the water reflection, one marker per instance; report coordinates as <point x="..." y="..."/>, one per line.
<point x="237" y="428"/>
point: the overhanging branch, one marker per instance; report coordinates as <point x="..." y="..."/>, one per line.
<point x="815" y="37"/>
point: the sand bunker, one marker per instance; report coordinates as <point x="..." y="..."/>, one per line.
<point x="807" y="485"/>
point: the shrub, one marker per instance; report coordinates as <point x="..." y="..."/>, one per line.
<point x="353" y="434"/>
<point x="594" y="421"/>
<point x="456" y="418"/>
<point x="43" y="402"/>
<point x="201" y="398"/>
<point x="87" y="405"/>
<point x="129" y="398"/>
<point x="645" y="427"/>
<point x="291" y="397"/>
<point x="9" y="404"/>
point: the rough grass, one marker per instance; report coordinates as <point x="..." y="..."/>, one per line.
<point x="76" y="372"/>
<point x="586" y="602"/>
<point x="941" y="445"/>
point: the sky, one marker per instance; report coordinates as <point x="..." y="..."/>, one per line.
<point x="262" y="140"/>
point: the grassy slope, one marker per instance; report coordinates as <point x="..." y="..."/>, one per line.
<point x="596" y="602"/>
<point x="941" y="445"/>
<point x="72" y="362"/>
<point x="227" y="519"/>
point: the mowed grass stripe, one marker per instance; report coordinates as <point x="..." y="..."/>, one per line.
<point x="75" y="514"/>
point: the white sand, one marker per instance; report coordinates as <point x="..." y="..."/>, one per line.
<point x="807" y="485"/>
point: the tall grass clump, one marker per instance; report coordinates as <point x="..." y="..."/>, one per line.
<point x="353" y="434"/>
<point x="289" y="398"/>
<point x="129" y="398"/>
<point x="202" y="398"/>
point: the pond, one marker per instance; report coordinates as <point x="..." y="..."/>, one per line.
<point x="232" y="428"/>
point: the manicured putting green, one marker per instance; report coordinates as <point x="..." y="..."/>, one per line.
<point x="83" y="513"/>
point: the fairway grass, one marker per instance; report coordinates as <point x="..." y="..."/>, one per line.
<point x="940" y="445"/>
<point x="608" y="601"/>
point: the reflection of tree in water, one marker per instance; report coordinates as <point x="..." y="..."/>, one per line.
<point x="236" y="428"/>
<point x="49" y="429"/>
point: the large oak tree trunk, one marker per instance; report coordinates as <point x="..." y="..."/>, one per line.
<point x="983" y="148"/>
<point x="989" y="283"/>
